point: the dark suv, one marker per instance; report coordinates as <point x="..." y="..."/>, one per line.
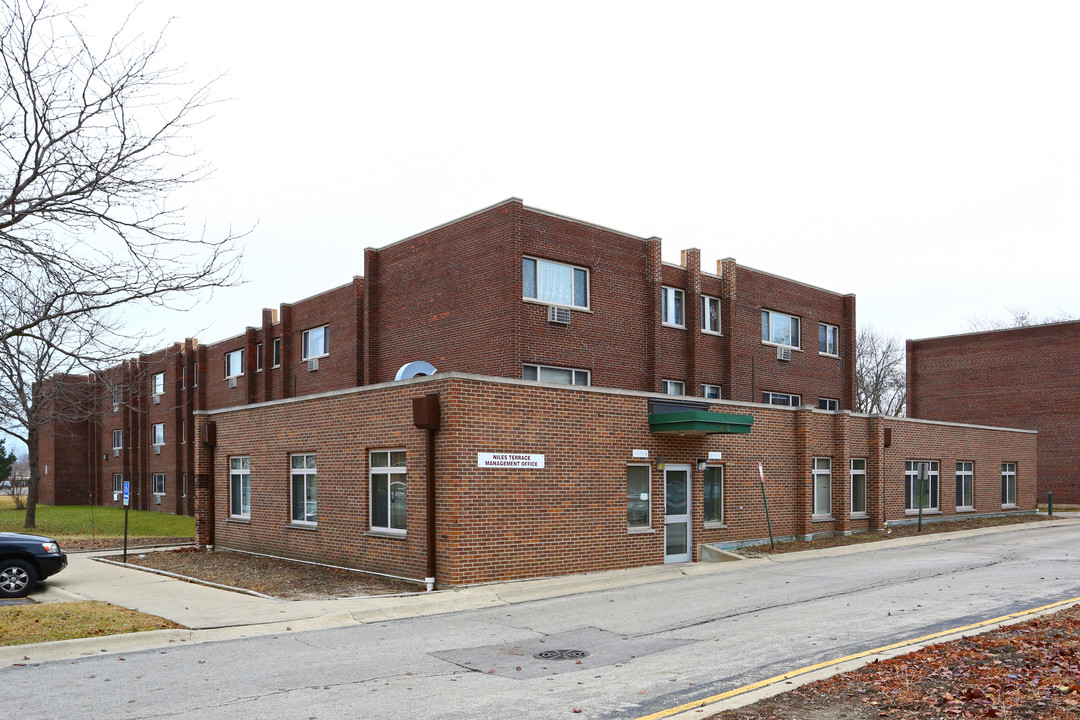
<point x="25" y="559"/>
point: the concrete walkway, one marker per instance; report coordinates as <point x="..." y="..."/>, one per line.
<point x="213" y="614"/>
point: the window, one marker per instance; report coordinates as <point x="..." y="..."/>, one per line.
<point x="158" y="433"/>
<point x="195" y="378"/>
<point x="183" y="431"/>
<point x="157" y="384"/>
<point x="388" y="490"/>
<point x="710" y="314"/>
<point x="924" y="494"/>
<point x="779" y="329"/>
<point x="1008" y="484"/>
<point x="828" y="404"/>
<point x="828" y="339"/>
<point x="183" y="377"/>
<point x="771" y="398"/>
<point x="259" y="357"/>
<point x="672" y="307"/>
<point x="673" y="387"/>
<point x="240" y="487"/>
<point x="159" y="483"/>
<point x="822" y="487"/>
<point x="714" y="494"/>
<point x="117" y="439"/>
<point x="710" y="391"/>
<point x="858" y="486"/>
<point x="305" y="506"/>
<point x="234" y="363"/>
<point x="184" y="484"/>
<point x="561" y="376"/>
<point x="554" y="283"/>
<point x="277" y="352"/>
<point x="117" y="483"/>
<point x="638" y="502"/>
<point x="316" y="342"/>
<point x="965" y="485"/>
<point x="117" y="396"/>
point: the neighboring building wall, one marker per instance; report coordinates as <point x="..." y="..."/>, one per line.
<point x="1023" y="377"/>
<point x="571" y="516"/>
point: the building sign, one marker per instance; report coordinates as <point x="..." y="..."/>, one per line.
<point x="509" y="460"/>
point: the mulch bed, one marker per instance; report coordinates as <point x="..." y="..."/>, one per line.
<point x="284" y="579"/>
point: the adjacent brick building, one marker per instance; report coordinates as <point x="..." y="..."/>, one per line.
<point x="1027" y="377"/>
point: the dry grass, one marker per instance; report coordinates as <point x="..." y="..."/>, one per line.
<point x="23" y="624"/>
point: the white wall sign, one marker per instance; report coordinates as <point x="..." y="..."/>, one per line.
<point x="641" y="453"/>
<point x="713" y="455"/>
<point x="509" y="460"/>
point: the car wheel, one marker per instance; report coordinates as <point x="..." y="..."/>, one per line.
<point x="17" y="578"/>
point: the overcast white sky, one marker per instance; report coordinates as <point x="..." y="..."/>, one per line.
<point x="922" y="155"/>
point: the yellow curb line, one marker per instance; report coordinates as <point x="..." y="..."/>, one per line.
<point x="802" y="671"/>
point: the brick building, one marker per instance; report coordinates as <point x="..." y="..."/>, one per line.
<point x="1027" y="377"/>
<point x="296" y="437"/>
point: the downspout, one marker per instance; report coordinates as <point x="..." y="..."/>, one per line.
<point x="426" y="417"/>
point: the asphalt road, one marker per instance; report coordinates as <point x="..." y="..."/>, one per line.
<point x="615" y="654"/>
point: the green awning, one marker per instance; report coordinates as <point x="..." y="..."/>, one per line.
<point x="700" y="422"/>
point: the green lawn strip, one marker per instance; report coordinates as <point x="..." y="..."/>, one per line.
<point x="23" y="624"/>
<point x="82" y="521"/>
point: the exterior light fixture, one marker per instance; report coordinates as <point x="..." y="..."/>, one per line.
<point x="701" y="462"/>
<point x="660" y="462"/>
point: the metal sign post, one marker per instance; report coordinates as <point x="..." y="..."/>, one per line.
<point x="127" y="506"/>
<point x="761" y="474"/>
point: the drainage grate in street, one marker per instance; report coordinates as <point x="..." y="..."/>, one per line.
<point x="561" y="655"/>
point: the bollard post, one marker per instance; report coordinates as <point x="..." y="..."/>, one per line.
<point x="1050" y="503"/>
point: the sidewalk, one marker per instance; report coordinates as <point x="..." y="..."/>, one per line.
<point x="213" y="614"/>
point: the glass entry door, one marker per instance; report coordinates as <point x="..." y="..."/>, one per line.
<point x="677" y="513"/>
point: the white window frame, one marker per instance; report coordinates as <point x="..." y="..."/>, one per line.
<point x="706" y="388"/>
<point x="276" y="360"/>
<point x="392" y="475"/>
<point x="183" y="376"/>
<point x="305" y="343"/>
<point x="828" y="404"/>
<point x="533" y="266"/>
<point x="708" y="301"/>
<point x="159" y="490"/>
<point x="240" y="487"/>
<point x="157" y="384"/>
<point x="832" y="337"/>
<point x="117" y="483"/>
<point x="1008" y="485"/>
<point x="767" y="337"/>
<point x="770" y="398"/>
<point x="668" y="386"/>
<point x="195" y="380"/>
<point x="157" y="432"/>
<point x="965" y="485"/>
<point x="933" y="486"/>
<point x="236" y="357"/>
<point x="857" y="469"/>
<point x="259" y="357"/>
<point x="183" y="431"/>
<point x="303" y="468"/>
<point x="117" y="439"/>
<point x="534" y="372"/>
<point x="634" y="500"/>
<point x="822" y="487"/>
<point x="673" y="307"/>
<point x="716" y="521"/>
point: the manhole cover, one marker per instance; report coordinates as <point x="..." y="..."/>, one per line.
<point x="561" y="655"/>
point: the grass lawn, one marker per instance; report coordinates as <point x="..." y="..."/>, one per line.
<point x="22" y="624"/>
<point x="84" y="521"/>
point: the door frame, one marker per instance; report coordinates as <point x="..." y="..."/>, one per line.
<point x="682" y="518"/>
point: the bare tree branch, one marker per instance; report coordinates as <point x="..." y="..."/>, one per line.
<point x="880" y="374"/>
<point x="1018" y="317"/>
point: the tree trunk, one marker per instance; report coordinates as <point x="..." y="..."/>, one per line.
<point x="35" y="475"/>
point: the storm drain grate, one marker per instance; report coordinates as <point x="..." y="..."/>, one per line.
<point x="561" y="655"/>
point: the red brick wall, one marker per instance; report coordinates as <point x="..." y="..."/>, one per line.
<point x="496" y="524"/>
<point x="1024" y="377"/>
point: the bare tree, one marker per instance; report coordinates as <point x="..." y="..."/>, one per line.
<point x="1018" y="317"/>
<point x="880" y="373"/>
<point x="94" y="138"/>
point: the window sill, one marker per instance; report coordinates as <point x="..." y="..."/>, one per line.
<point x="639" y="530"/>
<point x="789" y="347"/>
<point x="392" y="534"/>
<point x="302" y="526"/>
<point x="926" y="511"/>
<point x="575" y="308"/>
<point x="859" y="516"/>
<point x="714" y="525"/>
<point x="830" y="355"/>
<point x="1006" y="506"/>
<point x="965" y="509"/>
<point x="714" y="333"/>
<point x="822" y="518"/>
<point x="673" y="326"/>
<point x="315" y="357"/>
<point x="239" y="520"/>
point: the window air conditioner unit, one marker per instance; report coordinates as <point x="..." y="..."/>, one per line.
<point x="157" y="399"/>
<point x="313" y="364"/>
<point x="157" y="499"/>
<point x="116" y="452"/>
<point x="157" y="449"/>
<point x="115" y="496"/>
<point x="232" y="382"/>
<point x="558" y="315"/>
<point x="783" y="353"/>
